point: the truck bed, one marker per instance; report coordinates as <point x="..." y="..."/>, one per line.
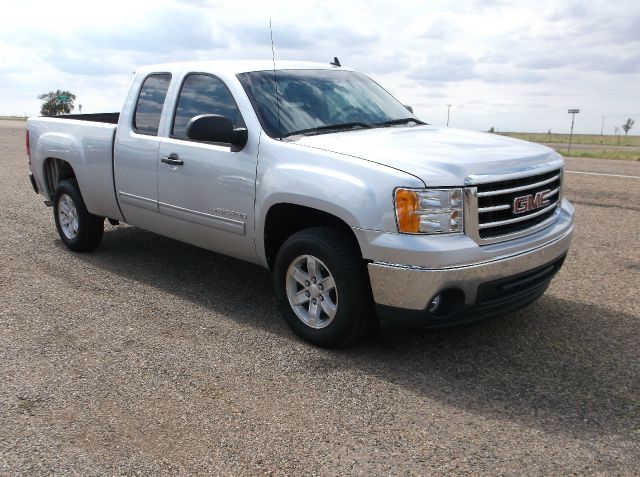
<point x="85" y="142"/>
<point x="109" y="118"/>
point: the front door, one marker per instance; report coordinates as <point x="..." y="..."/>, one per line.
<point x="206" y="191"/>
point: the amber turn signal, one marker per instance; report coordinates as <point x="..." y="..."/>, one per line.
<point x="407" y="207"/>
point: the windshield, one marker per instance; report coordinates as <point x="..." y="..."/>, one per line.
<point x="318" y="100"/>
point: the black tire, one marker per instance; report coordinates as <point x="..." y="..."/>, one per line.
<point x="339" y="257"/>
<point x="90" y="227"/>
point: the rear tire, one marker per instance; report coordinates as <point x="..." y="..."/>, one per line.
<point x="78" y="229"/>
<point x="323" y="288"/>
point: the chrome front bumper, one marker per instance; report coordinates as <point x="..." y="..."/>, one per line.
<point x="412" y="288"/>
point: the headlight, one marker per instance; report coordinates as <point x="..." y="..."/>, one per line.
<point x="429" y="211"/>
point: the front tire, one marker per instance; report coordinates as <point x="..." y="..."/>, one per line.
<point x="322" y="287"/>
<point x="79" y="230"/>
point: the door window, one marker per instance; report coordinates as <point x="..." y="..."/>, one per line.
<point x="204" y="94"/>
<point x="149" y="106"/>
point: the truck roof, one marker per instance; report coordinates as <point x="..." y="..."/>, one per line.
<point x="236" y="66"/>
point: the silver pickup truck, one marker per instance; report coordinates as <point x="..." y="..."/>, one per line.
<point x="360" y="210"/>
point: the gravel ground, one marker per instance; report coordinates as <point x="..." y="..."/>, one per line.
<point x="152" y="357"/>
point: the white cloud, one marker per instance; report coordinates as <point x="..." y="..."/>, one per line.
<point x="509" y="64"/>
<point x="445" y="66"/>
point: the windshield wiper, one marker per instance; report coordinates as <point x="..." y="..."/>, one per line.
<point x="393" y="122"/>
<point x="352" y="125"/>
<point x="330" y="128"/>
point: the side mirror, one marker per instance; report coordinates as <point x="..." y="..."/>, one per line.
<point x="216" y="128"/>
<point x="409" y="108"/>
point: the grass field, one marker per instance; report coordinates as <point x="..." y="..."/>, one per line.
<point x="13" y="118"/>
<point x="601" y="154"/>
<point x="594" y="139"/>
<point x="626" y="148"/>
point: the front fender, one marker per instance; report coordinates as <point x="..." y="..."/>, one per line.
<point x="358" y="192"/>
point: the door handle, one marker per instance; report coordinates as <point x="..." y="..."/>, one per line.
<point x="172" y="160"/>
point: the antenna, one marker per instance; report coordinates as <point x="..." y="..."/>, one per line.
<point x="275" y="77"/>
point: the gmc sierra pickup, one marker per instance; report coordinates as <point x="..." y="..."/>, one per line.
<point x="358" y="208"/>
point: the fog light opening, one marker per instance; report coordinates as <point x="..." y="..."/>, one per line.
<point x="434" y="304"/>
<point x="446" y="303"/>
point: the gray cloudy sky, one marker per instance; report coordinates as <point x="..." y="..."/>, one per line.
<point x="514" y="65"/>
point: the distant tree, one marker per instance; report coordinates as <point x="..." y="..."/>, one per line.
<point x="492" y="129"/>
<point x="628" y="125"/>
<point x="549" y="132"/>
<point x="57" y="102"/>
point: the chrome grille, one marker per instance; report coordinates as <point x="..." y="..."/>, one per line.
<point x="496" y="203"/>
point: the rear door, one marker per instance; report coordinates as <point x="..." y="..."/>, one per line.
<point x="136" y="152"/>
<point x="206" y="190"/>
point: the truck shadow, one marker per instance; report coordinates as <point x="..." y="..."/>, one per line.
<point x="559" y="365"/>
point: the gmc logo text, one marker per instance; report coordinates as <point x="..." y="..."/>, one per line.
<point x="526" y="203"/>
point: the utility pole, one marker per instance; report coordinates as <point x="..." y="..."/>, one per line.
<point x="602" y="127"/>
<point x="448" y="111"/>
<point x="573" y="113"/>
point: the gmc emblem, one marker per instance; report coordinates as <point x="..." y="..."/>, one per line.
<point x="526" y="203"/>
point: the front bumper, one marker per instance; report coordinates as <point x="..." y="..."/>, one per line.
<point x="521" y="277"/>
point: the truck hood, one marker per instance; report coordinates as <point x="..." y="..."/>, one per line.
<point x="438" y="156"/>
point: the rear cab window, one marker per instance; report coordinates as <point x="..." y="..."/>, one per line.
<point x="153" y="92"/>
<point x="203" y="93"/>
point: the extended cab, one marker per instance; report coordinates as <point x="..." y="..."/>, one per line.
<point x="360" y="209"/>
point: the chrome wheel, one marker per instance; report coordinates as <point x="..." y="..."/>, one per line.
<point x="312" y="291"/>
<point x="68" y="216"/>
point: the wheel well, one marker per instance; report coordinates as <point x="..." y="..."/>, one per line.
<point x="284" y="220"/>
<point x="56" y="170"/>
